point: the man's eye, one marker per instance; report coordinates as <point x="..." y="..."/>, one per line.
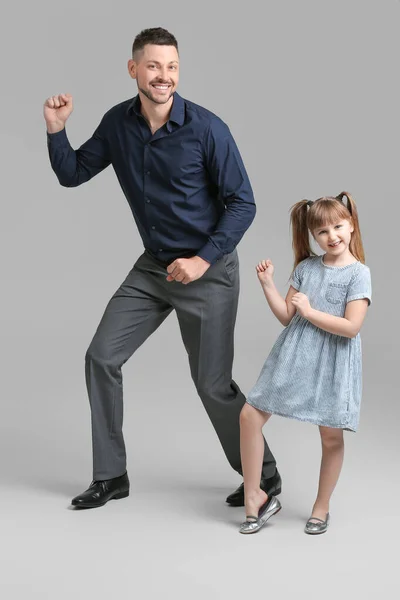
<point x="338" y="225"/>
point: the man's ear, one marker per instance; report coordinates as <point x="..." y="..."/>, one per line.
<point x="132" y="68"/>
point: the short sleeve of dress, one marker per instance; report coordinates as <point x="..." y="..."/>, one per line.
<point x="297" y="276"/>
<point x="360" y="286"/>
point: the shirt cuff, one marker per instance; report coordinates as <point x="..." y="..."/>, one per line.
<point x="59" y="138"/>
<point x="210" y="253"/>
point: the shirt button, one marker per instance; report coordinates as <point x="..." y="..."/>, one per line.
<point x="148" y="201"/>
<point x="152" y="227"/>
<point x="148" y="172"/>
<point x="160" y="249"/>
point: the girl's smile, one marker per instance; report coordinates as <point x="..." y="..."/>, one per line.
<point x="334" y="238"/>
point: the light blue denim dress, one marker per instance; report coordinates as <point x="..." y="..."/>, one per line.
<point x="310" y="374"/>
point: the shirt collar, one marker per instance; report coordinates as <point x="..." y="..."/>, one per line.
<point x="177" y="112"/>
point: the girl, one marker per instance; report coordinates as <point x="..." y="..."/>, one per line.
<point x="313" y="372"/>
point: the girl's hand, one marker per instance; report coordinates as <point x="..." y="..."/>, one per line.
<point x="265" y="271"/>
<point x="302" y="304"/>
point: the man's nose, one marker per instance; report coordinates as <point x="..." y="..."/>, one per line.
<point x="163" y="73"/>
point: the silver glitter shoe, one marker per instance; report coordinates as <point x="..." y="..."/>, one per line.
<point x="267" y="510"/>
<point x="319" y="527"/>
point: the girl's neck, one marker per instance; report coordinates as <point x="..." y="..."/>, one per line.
<point x="344" y="259"/>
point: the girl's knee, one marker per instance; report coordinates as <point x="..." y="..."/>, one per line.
<point x="247" y="414"/>
<point x="252" y="416"/>
<point x="331" y="439"/>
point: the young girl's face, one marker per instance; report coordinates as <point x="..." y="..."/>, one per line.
<point x="334" y="238"/>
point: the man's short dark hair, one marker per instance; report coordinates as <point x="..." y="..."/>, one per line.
<point x="155" y="35"/>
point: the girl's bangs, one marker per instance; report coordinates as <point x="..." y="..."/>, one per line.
<point x="327" y="212"/>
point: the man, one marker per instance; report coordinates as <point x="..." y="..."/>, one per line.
<point x="186" y="184"/>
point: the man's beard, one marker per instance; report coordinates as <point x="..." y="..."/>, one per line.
<point x="149" y="95"/>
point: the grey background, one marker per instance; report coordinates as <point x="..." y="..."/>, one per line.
<point x="310" y="92"/>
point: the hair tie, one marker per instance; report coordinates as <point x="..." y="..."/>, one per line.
<point x="310" y="202"/>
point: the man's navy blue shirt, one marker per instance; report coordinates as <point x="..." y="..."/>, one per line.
<point x="186" y="185"/>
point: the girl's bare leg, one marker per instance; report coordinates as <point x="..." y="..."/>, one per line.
<point x="252" y="421"/>
<point x="331" y="464"/>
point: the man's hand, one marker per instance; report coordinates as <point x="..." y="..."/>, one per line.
<point x="186" y="270"/>
<point x="302" y="304"/>
<point x="56" y="111"/>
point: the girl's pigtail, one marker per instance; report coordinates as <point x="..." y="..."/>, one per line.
<point x="300" y="234"/>
<point x="356" y="245"/>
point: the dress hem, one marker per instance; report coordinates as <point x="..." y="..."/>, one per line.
<point x="304" y="420"/>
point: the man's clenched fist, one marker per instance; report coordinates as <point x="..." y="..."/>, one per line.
<point x="186" y="270"/>
<point x="56" y="111"/>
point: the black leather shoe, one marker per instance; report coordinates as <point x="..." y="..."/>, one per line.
<point x="100" y="492"/>
<point x="271" y="486"/>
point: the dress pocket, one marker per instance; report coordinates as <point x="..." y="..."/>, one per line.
<point x="336" y="293"/>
